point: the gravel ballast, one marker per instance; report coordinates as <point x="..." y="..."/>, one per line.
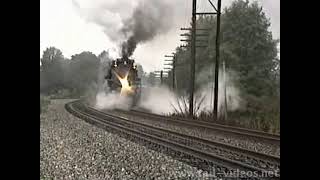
<point x="73" y="149"/>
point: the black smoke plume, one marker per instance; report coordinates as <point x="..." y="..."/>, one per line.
<point x="150" y="18"/>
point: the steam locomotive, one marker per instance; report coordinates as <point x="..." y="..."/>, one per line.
<point x="122" y="77"/>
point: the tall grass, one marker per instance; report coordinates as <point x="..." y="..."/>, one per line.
<point x="267" y="119"/>
<point x="182" y="105"/>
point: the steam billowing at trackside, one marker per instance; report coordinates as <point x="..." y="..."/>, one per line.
<point x="160" y="99"/>
<point x="128" y="29"/>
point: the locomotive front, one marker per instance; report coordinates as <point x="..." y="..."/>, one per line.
<point x="123" y="78"/>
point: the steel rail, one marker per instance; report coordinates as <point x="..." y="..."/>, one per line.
<point x="259" y="135"/>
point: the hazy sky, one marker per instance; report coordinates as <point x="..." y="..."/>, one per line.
<point x="66" y="27"/>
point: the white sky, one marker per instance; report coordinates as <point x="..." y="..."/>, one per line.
<point x="61" y="26"/>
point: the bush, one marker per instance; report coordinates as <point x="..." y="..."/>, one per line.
<point x="264" y="121"/>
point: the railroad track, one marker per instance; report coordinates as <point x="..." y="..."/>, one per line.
<point x="243" y="132"/>
<point x="211" y="154"/>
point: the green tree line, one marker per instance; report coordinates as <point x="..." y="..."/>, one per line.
<point x="62" y="77"/>
<point x="81" y="75"/>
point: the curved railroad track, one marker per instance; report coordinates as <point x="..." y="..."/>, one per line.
<point x="248" y="133"/>
<point x="203" y="153"/>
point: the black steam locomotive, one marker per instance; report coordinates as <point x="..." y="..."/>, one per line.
<point x="123" y="72"/>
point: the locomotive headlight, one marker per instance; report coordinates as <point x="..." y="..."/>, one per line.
<point x="125" y="86"/>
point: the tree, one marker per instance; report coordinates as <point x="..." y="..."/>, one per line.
<point x="249" y="47"/>
<point x="52" y="70"/>
<point x="84" y="71"/>
<point x="50" y="56"/>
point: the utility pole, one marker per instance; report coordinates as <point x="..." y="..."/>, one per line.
<point x="225" y="91"/>
<point x="216" y="75"/>
<point x="173" y="68"/>
<point x="193" y="55"/>
<point x="160" y="74"/>
<point x="161" y="77"/>
<point x="173" y="72"/>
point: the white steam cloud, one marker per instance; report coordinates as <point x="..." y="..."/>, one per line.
<point x="232" y="97"/>
<point x="158" y="100"/>
<point x="112" y="100"/>
<point x="228" y="93"/>
<point x="162" y="100"/>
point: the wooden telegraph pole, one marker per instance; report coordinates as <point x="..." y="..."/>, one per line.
<point x="174" y="72"/>
<point x="216" y="74"/>
<point x="159" y="74"/>
<point x="161" y="77"/>
<point x="173" y="68"/>
<point x="193" y="55"/>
